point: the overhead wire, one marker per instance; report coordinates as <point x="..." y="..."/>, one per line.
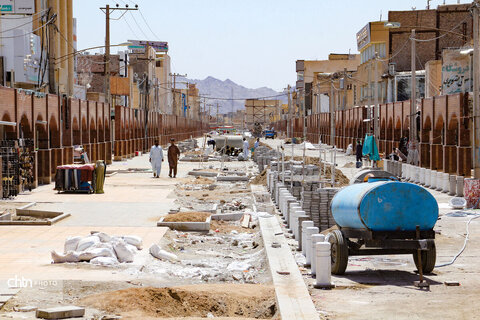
<point x="140" y="28"/>
<point x="23" y="17"/>
<point x="443" y="35"/>
<point x="30" y="32"/>
<point x="21" y="25"/>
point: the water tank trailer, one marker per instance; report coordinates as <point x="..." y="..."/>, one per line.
<point x="383" y="217"/>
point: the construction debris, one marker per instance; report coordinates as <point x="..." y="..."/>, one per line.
<point x="99" y="248"/>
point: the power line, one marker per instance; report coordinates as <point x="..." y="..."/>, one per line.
<point x="23" y="17"/>
<point x="148" y="26"/>
<point x="21" y="25"/>
<point x="443" y="35"/>
<point x="140" y="28"/>
<point x="30" y="32"/>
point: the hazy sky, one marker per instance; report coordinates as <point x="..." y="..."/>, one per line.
<point x="252" y="42"/>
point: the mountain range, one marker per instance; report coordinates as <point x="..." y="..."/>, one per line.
<point x="223" y="91"/>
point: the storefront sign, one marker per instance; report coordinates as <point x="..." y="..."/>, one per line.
<point x="363" y="37"/>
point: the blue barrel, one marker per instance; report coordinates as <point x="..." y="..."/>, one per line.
<point x="385" y="206"/>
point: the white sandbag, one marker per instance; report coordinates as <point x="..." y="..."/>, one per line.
<point x="159" y="253"/>
<point x="87" y="242"/>
<point x="92" y="253"/>
<point x="71" y="244"/>
<point x="104" y="261"/>
<point x="124" y="254"/>
<point x="62" y="258"/>
<point x="134" y="241"/>
<point x="103" y="236"/>
<point x="131" y="248"/>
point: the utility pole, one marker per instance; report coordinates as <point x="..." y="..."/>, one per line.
<point x="290" y="114"/>
<point x="476" y="85"/>
<point x="332" y="115"/>
<point x="175" y="75"/>
<point x="412" y="145"/>
<point x="344" y="88"/>
<point x="107" y="10"/>
<point x="376" y="111"/>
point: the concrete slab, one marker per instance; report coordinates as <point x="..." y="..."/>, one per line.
<point x="186" y="226"/>
<point x="233" y="178"/>
<point x="61" y="312"/>
<point x="293" y="298"/>
<point x="4" y="299"/>
<point x="202" y="174"/>
<point x="228" y="216"/>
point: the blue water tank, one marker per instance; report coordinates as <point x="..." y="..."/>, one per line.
<point x="385" y="206"/>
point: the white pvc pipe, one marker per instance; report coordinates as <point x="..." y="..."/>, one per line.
<point x="315" y="239"/>
<point x="297" y="214"/>
<point x="286" y="205"/>
<point x="310" y="231"/>
<point x="453" y="185"/>
<point x="439" y="181"/>
<point x="446" y="182"/>
<point x="422" y="176"/>
<point x="433" y="185"/>
<point x="305" y="225"/>
<point x="323" y="265"/>
<point x="293" y="209"/>
<point x="416" y="174"/>
<point x="428" y="177"/>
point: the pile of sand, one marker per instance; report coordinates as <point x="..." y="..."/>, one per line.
<point x="221" y="300"/>
<point x="261" y="178"/>
<point x="340" y="179"/>
<point x="187" y="217"/>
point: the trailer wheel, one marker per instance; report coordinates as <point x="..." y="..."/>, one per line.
<point x="429" y="258"/>
<point x="339" y="252"/>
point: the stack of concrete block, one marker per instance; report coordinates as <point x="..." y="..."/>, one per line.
<point x="317" y="205"/>
<point x="264" y="156"/>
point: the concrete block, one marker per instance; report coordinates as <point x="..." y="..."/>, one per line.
<point x="61" y="312"/>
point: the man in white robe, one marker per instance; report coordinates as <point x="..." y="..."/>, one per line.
<point x="156" y="159"/>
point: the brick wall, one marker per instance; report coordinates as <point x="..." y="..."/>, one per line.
<point x="429" y="24"/>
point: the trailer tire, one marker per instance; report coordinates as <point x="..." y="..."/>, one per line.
<point x="339" y="252"/>
<point x="429" y="258"/>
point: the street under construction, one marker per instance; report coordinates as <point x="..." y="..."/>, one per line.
<point x="125" y="197"/>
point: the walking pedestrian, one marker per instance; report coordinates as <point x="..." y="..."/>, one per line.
<point x="156" y="159"/>
<point x="246" y="145"/>
<point x="173" y="154"/>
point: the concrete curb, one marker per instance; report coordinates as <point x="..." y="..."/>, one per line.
<point x="293" y="298"/>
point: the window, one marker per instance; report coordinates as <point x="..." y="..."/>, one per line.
<point x="369" y="52"/>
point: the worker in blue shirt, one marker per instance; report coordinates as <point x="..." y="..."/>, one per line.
<point x="257" y="143"/>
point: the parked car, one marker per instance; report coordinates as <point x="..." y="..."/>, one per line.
<point x="270" y="134"/>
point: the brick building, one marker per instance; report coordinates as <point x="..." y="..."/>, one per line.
<point x="449" y="25"/>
